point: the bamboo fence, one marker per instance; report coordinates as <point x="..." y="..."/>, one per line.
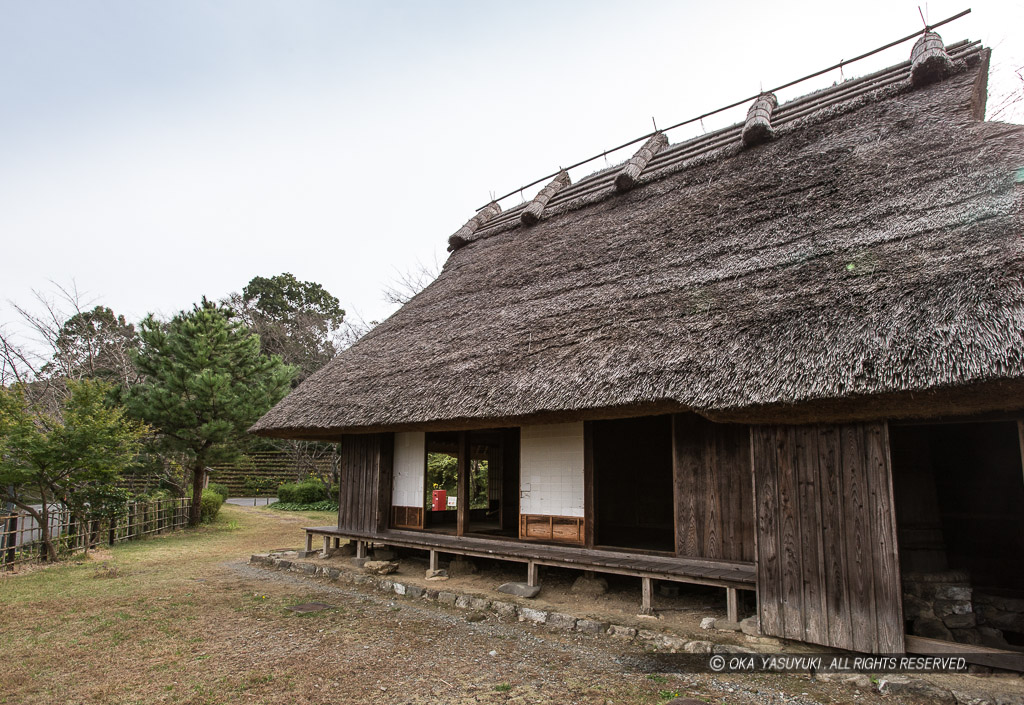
<point x="21" y="535"/>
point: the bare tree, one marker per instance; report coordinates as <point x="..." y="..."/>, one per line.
<point x="406" y="284"/>
<point x="1009" y="106"/>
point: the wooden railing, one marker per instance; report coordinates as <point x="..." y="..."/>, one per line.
<point x="21" y="536"/>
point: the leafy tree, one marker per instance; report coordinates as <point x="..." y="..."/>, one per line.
<point x="205" y="382"/>
<point x="295" y="319"/>
<point x="73" y="457"/>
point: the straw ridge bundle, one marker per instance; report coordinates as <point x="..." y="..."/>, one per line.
<point x="758" y="127"/>
<point x="631" y="172"/>
<point x="531" y="214"/>
<point x="463" y="234"/>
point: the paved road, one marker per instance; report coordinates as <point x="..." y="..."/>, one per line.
<point x="251" y="501"/>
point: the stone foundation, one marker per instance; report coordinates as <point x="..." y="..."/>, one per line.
<point x="940" y="606"/>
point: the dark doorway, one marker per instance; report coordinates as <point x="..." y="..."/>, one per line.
<point x="959" y="490"/>
<point x="490" y="486"/>
<point x="494" y="481"/>
<point x="633" y="483"/>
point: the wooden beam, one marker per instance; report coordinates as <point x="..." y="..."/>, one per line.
<point x="360" y="549"/>
<point x="732" y="604"/>
<point x="309" y="542"/>
<point x="433" y="560"/>
<point x="462" y="489"/>
<point x="972" y="653"/>
<point x="532" y="574"/>
<point x="589" y="490"/>
<point x="646" y="596"/>
<point x="327" y="544"/>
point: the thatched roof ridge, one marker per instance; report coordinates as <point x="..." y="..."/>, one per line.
<point x="823" y="104"/>
<point x="869" y="261"/>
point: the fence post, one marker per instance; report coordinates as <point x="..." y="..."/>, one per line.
<point x="11" y="534"/>
<point x="112" y="531"/>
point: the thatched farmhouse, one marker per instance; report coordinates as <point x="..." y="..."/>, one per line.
<point x="784" y="357"/>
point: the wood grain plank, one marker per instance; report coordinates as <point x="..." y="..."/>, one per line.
<point x="789" y="533"/>
<point x="886" y="569"/>
<point x="764" y="464"/>
<point x="857" y="535"/>
<point x="686" y="460"/>
<point x="811" y="549"/>
<point x="833" y="547"/>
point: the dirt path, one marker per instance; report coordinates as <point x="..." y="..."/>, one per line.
<point x="184" y="619"/>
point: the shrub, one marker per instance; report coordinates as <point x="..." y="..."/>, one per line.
<point x="220" y="489"/>
<point x="305" y="492"/>
<point x="286" y="493"/>
<point x="209" y="505"/>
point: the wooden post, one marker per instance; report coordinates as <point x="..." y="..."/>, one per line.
<point x="327" y="544"/>
<point x="732" y="604"/>
<point x="462" y="489"/>
<point x="309" y="542"/>
<point x="433" y="560"/>
<point x="360" y="549"/>
<point x="646" y="595"/>
<point x="532" y="574"/>
<point x="337" y="542"/>
<point x="589" y="486"/>
<point x="112" y="532"/>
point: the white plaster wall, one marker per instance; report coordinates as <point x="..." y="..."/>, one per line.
<point x="551" y="470"/>
<point x="410" y="466"/>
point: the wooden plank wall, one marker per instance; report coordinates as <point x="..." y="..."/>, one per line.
<point x="828" y="568"/>
<point x="713" y="489"/>
<point x="364" y="498"/>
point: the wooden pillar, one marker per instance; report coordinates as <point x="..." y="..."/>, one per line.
<point x="309" y="542"/>
<point x="646" y="596"/>
<point x="532" y="574"/>
<point x="433" y="560"/>
<point x="462" y="490"/>
<point x="589" y="489"/>
<point x="732" y="604"/>
<point x="337" y="542"/>
<point x="360" y="549"/>
<point x="327" y="544"/>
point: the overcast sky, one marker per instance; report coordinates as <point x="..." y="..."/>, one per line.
<point x="153" y="152"/>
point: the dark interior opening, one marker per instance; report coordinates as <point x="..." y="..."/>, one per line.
<point x="492" y="470"/>
<point x="633" y="483"/>
<point x="494" y="482"/>
<point x="959" y="492"/>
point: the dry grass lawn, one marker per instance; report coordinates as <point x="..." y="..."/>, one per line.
<point x="183" y="619"/>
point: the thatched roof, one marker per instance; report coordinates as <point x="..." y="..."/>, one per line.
<point x="866" y="261"/>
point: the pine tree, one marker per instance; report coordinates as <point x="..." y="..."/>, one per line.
<point x="205" y="382"/>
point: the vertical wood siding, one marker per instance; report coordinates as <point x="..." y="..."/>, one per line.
<point x="364" y="499"/>
<point x="712" y="487"/>
<point x="828" y="569"/>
